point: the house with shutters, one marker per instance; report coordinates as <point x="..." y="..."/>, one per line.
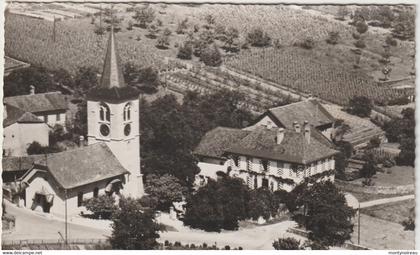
<point x="266" y="156"/>
<point x="288" y="116"/>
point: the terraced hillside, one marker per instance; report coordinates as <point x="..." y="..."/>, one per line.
<point x="289" y="68"/>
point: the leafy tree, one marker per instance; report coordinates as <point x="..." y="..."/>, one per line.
<point x="218" y="205"/>
<point x="102" y="207"/>
<point x="368" y="171"/>
<point x="18" y="82"/>
<point x="207" y="36"/>
<point x="326" y="215"/>
<point x="145" y="78"/>
<point x="163" y="42"/>
<point x="134" y="227"/>
<point x="404" y="28"/>
<point x="85" y="79"/>
<point x="333" y="37"/>
<point x="185" y="51"/>
<point x="80" y="120"/>
<point x="164" y="189"/>
<point x="258" y="38"/>
<point x="360" y="106"/>
<point x="182" y="26"/>
<point x="230" y="39"/>
<point x="262" y="203"/>
<point x="62" y="78"/>
<point x="36" y="148"/>
<point x="144" y="16"/>
<point x="288" y="243"/>
<point x="211" y="56"/>
<point x="153" y="30"/>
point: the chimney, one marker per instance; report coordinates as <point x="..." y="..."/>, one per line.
<point x="280" y="135"/>
<point x="31" y="90"/>
<point x="81" y="141"/>
<point x="307" y="130"/>
<point x="297" y="128"/>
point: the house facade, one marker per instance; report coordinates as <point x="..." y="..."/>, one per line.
<point x="271" y="157"/>
<point x="20" y="129"/>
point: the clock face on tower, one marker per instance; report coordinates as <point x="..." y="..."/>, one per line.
<point x="127" y="130"/>
<point x="104" y="129"/>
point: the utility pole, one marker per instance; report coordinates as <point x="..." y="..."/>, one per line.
<point x="358" y="225"/>
<point x="54" y="29"/>
<point x="65" y="217"/>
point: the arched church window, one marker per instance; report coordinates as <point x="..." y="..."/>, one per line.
<point x="127" y="112"/>
<point x="104" y="112"/>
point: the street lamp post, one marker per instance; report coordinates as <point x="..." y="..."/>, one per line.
<point x="358" y="225"/>
<point x="65" y="216"/>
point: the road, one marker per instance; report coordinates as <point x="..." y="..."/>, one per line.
<point x="35" y="225"/>
<point x="385" y="201"/>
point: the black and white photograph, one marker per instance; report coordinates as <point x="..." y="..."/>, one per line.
<point x="208" y="126"/>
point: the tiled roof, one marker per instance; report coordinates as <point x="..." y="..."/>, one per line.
<point x="42" y="102"/>
<point x="11" y="164"/>
<point x="16" y="115"/>
<point x="73" y="168"/>
<point x="112" y="86"/>
<point x="214" y="142"/>
<point x="307" y="110"/>
<point x="261" y="143"/>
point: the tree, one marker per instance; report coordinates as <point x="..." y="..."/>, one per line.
<point x="360" y="106"/>
<point x="18" y="82"/>
<point x="230" y="39"/>
<point x="182" y="26"/>
<point x="164" y="189"/>
<point x="80" y="119"/>
<point x="262" y="203"/>
<point x="102" y="207"/>
<point x="218" y="205"/>
<point x="36" y="148"/>
<point x="211" y="56"/>
<point x="144" y="16"/>
<point x="153" y="30"/>
<point x="308" y="43"/>
<point x="85" y="79"/>
<point x="361" y="28"/>
<point x="368" y="171"/>
<point x="258" y="38"/>
<point x="185" y="51"/>
<point x="326" y="215"/>
<point x="288" y="243"/>
<point x="134" y="227"/>
<point x="333" y="37"/>
<point x="145" y="78"/>
<point x="404" y="27"/>
<point x="342" y="12"/>
<point x="163" y="42"/>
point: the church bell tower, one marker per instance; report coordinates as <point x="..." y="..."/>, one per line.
<point x="113" y="118"/>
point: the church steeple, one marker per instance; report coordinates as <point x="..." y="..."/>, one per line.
<point x="112" y="75"/>
<point x="112" y="87"/>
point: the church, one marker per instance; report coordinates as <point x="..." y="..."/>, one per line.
<point x="108" y="164"/>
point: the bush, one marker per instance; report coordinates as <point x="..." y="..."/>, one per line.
<point x="36" y="148"/>
<point x="409" y="224"/>
<point x="102" y="207"/>
<point x="333" y="37"/>
<point x="360" y="44"/>
<point x="185" y="51"/>
<point x="360" y="106"/>
<point x="211" y="56"/>
<point x="258" y="38"/>
<point x="288" y="243"/>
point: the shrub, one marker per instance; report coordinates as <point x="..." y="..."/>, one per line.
<point x="211" y="56"/>
<point x="360" y="106"/>
<point x="288" y="243"/>
<point x="36" y="148"/>
<point x="102" y="207"/>
<point x="258" y="38"/>
<point x="360" y="43"/>
<point x="185" y="51"/>
<point x="333" y="37"/>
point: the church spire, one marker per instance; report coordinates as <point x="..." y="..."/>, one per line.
<point x="112" y="75"/>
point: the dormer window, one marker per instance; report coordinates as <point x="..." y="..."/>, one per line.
<point x="127" y="112"/>
<point x="104" y="112"/>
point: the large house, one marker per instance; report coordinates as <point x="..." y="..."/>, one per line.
<point x="20" y="129"/>
<point x="50" y="107"/>
<point x="288" y="116"/>
<point x="269" y="156"/>
<point x="109" y="164"/>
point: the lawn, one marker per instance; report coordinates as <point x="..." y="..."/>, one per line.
<point x="394" y="212"/>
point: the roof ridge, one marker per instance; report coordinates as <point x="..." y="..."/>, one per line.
<point x="286" y="105"/>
